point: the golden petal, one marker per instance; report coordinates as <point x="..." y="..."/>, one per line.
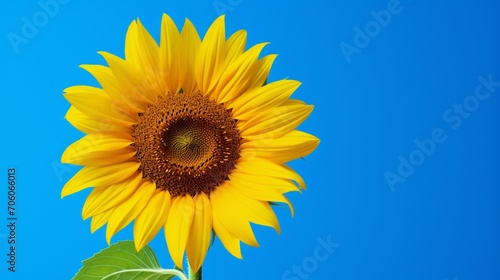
<point x="151" y="219"/>
<point x="128" y="210"/>
<point x="178" y="226"/>
<point x="263" y="98"/>
<point x="200" y="234"/>
<point x="293" y="145"/>
<point x="97" y="176"/>
<point x="238" y="76"/>
<point x="192" y="44"/>
<point x="100" y="220"/>
<point x="89" y="125"/>
<point x="276" y="122"/>
<point x="262" y="167"/>
<point x="100" y="149"/>
<point x="95" y="104"/>
<point x="231" y="216"/>
<point x="235" y="46"/>
<point x="105" y="198"/>
<point x="211" y="56"/>
<point x="173" y="61"/>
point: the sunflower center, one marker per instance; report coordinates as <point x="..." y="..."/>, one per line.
<point x="186" y="143"/>
<point x="189" y="142"/>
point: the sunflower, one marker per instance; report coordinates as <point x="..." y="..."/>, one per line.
<point x="187" y="136"/>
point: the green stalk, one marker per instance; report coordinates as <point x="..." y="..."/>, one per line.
<point x="194" y="276"/>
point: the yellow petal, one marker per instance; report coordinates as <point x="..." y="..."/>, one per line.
<point x="262" y="191"/>
<point x="200" y="234"/>
<point x="121" y="101"/>
<point x="178" y="226"/>
<point x="231" y="216"/>
<point x="235" y="46"/>
<point x="80" y="121"/>
<point x="91" y="157"/>
<point x="148" y="48"/>
<point x="151" y="219"/>
<point x="90" y="176"/>
<point x="104" y="198"/>
<point x="211" y="56"/>
<point x="89" y="125"/>
<point x="263" y="167"/>
<point x="127" y="211"/>
<point x="291" y="146"/>
<point x="100" y="149"/>
<point x="192" y="44"/>
<point x="172" y="55"/>
<point x="249" y="209"/>
<point x="142" y="52"/>
<point x="263" y="98"/>
<point x="99" y="220"/>
<point x="281" y="185"/>
<point x="131" y="45"/>
<point x="149" y="53"/>
<point x="95" y="104"/>
<point x="262" y="69"/>
<point x="238" y="76"/>
<point x="134" y="86"/>
<point x="230" y="242"/>
<point x="276" y="122"/>
<point x="294" y="102"/>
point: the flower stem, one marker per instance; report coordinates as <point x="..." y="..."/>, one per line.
<point x="194" y="276"/>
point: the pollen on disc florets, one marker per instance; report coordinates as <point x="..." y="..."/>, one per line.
<point x="186" y="143"/>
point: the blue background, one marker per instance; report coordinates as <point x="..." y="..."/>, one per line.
<point x="441" y="223"/>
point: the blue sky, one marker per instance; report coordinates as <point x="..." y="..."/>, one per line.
<point x="404" y="184"/>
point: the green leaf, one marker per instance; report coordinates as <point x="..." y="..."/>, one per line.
<point x="122" y="261"/>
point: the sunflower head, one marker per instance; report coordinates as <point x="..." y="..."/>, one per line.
<point x="187" y="136"/>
